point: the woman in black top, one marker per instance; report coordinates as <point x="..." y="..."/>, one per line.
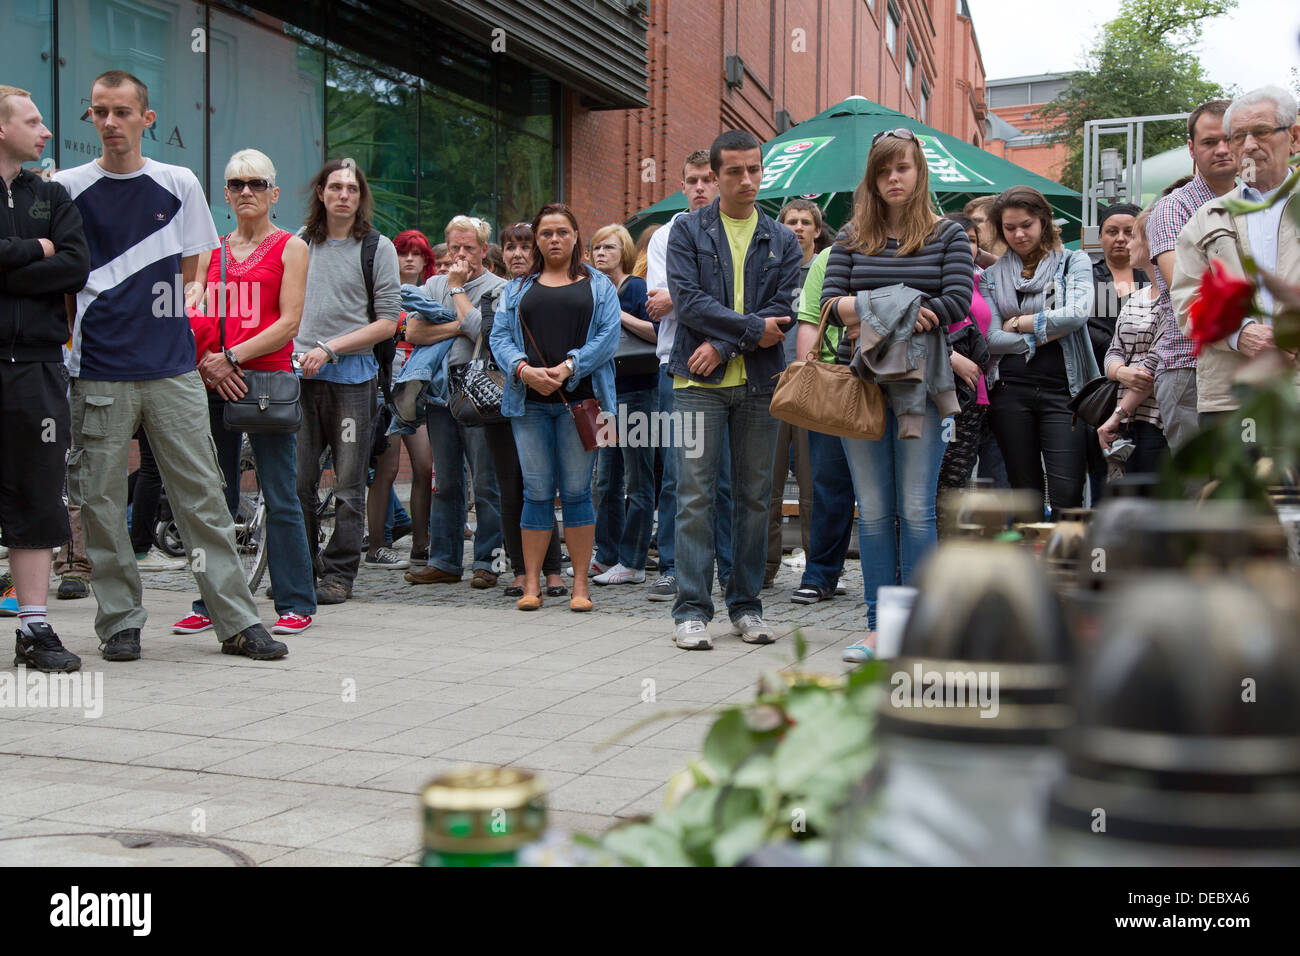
<point x="1114" y="279"/>
<point x="555" y="334"/>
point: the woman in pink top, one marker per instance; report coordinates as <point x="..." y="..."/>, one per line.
<point x="971" y="438"/>
<point x="266" y="279"/>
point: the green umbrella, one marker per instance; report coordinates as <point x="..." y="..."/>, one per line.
<point x="823" y="159"/>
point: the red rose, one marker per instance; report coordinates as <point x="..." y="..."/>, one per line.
<point x="1221" y="302"/>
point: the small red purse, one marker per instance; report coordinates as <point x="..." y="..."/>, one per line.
<point x="586" y="413"/>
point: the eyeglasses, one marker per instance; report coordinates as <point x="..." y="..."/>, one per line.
<point x="606" y="248"/>
<point x="900" y="133"/>
<point x="257" y="185"/>
<point x="1260" y="133"/>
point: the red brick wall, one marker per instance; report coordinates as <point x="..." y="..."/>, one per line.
<point x="842" y="53"/>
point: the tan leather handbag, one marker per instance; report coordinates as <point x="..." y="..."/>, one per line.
<point x="827" y="398"/>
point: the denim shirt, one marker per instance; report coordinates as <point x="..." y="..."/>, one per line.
<point x="1074" y="288"/>
<point x="594" y="358"/>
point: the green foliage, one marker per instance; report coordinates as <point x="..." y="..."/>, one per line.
<point x="1143" y="64"/>
<point x="774" y="770"/>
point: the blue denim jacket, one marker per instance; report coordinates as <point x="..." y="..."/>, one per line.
<point x="700" y="281"/>
<point x="1075" y="290"/>
<point x="594" y="358"/>
<point x="427" y="363"/>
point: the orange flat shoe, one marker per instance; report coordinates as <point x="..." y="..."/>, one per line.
<point x="529" y="602"/>
<point x="579" y="604"/>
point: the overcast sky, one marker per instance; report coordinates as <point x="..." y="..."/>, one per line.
<point x="1254" y="45"/>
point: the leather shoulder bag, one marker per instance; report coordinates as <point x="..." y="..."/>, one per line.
<point x="829" y="398"/>
<point x="1095" y="402"/>
<point x="270" y="405"/>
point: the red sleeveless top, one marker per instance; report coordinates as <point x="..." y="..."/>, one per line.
<point x="252" y="302"/>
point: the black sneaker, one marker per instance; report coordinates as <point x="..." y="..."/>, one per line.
<point x="122" y="646"/>
<point x="71" y="588"/>
<point x="43" y="651"/>
<point x="256" y="643"/>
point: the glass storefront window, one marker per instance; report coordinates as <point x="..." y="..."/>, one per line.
<point x="445" y="129"/>
<point x="371" y="118"/>
<point x="152" y="39"/>
<point x="26" y="50"/>
<point x="247" y="61"/>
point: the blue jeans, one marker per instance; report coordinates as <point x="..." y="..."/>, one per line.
<point x="668" y="493"/>
<point x="623" y="532"/>
<point x="751" y="445"/>
<point x="895" y="481"/>
<point x="288" y="555"/>
<point x="552" y="457"/>
<point x="832" y="504"/>
<point x="397" y="515"/>
<point x="452" y="443"/>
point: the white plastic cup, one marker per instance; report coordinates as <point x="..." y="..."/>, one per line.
<point x="893" y="607"/>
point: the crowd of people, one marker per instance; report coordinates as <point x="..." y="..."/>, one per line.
<point x="979" y="327"/>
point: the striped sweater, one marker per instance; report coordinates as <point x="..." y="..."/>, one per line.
<point x="942" y="269"/>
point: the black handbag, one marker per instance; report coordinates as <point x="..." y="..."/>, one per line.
<point x="635" y="356"/>
<point x="475" y="390"/>
<point x="270" y="406"/>
<point x="1095" y="402"/>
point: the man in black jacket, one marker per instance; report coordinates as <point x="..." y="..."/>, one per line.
<point x="43" y="255"/>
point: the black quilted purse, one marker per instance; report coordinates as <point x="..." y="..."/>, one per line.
<point x="475" y="390"/>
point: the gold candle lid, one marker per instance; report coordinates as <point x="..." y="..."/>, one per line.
<point x="482" y="789"/>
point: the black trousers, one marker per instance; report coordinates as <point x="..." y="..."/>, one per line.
<point x="510" y="483"/>
<point x="1033" y="429"/>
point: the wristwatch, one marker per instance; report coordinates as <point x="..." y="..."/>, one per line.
<point x="456" y="290"/>
<point x="230" y="357"/>
<point x="572" y="367"/>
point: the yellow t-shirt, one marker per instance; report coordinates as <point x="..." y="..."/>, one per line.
<point x="739" y="233"/>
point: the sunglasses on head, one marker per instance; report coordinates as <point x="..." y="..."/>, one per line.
<point x="900" y="133"/>
<point x="257" y="185"/>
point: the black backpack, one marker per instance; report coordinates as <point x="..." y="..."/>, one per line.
<point x="386" y="350"/>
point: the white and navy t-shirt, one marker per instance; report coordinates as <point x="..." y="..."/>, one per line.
<point x="138" y="227"/>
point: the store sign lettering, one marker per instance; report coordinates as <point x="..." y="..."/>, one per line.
<point x="174" y="139"/>
<point x="784" y="160"/>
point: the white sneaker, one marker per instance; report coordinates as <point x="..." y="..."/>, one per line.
<point x="593" y="571"/>
<point x="751" y="629"/>
<point x="693" y="636"/>
<point x="153" y="561"/>
<point x="620" y="575"/>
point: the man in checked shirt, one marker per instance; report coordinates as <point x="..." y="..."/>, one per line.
<point x="1216" y="173"/>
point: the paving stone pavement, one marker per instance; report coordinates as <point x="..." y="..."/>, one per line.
<point x="318" y="759"/>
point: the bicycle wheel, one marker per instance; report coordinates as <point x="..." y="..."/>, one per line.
<point x="325" y="501"/>
<point x="250" y="520"/>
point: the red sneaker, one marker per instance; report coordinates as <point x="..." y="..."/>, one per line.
<point x="291" y="624"/>
<point x="194" y="624"/>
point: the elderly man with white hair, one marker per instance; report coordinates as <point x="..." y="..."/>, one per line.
<point x="1263" y="134"/>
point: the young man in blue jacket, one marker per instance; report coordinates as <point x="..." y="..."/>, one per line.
<point x="43" y="255"/>
<point x="731" y="269"/>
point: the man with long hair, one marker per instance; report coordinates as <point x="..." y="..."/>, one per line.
<point x="342" y="321"/>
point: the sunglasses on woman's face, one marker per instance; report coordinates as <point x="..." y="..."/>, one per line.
<point x="900" y="133"/>
<point x="236" y="186"/>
